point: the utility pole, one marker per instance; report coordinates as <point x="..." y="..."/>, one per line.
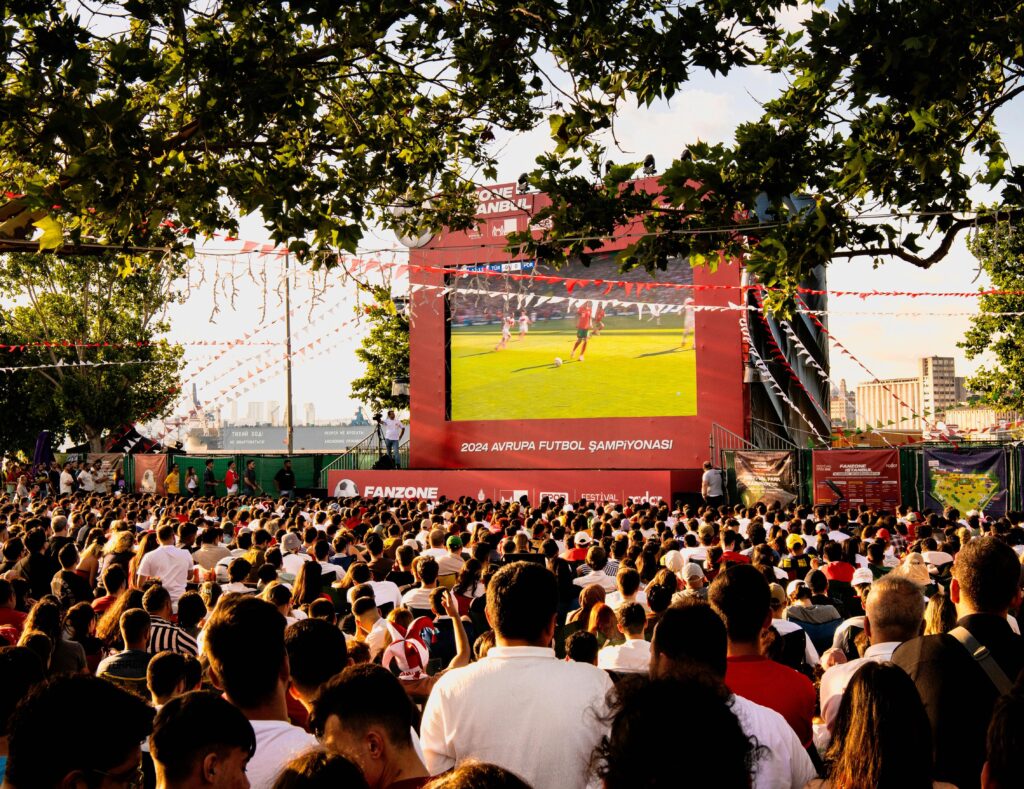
<point x="289" y="433"/>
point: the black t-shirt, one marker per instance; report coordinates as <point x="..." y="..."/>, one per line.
<point x="250" y="479"/>
<point x="285" y="479"/>
<point x="209" y="478"/>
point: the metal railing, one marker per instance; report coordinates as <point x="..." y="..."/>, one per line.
<point x="723" y="440"/>
<point x="363" y="456"/>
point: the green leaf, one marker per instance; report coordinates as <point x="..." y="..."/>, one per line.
<point x="53" y="234"/>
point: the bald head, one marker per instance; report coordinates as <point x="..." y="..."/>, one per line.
<point x="895" y="610"/>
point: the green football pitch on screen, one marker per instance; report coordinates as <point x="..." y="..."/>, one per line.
<point x="633" y="368"/>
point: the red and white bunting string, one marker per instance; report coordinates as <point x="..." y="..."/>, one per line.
<point x="768" y="378"/>
<point x="847" y="353"/>
<point x="780" y="357"/>
<point x="91" y="345"/>
<point x="257" y="376"/>
<point x="62" y="365"/>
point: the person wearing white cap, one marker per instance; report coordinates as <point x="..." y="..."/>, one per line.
<point x="895" y="611"/>
<point x="696" y="586"/>
<point x="292" y="555"/>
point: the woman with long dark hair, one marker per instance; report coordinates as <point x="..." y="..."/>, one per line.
<point x="882" y="738"/>
<point x="308" y="585"/>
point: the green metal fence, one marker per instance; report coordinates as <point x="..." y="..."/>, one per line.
<point x="912" y="470"/>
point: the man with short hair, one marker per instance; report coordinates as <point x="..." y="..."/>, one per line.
<point x="284" y="480"/>
<point x="77" y="731"/>
<point x="165" y="677"/>
<point x="316" y="653"/>
<point x="394" y="429"/>
<point x="957" y="690"/>
<point x="163" y="635"/>
<point x="627" y="589"/>
<point x="365" y="714"/>
<point x="371" y="627"/>
<point x="127" y="668"/>
<point x="249" y="663"/>
<point x="712" y="485"/>
<point x="895" y="613"/>
<point x="597" y="558"/>
<point x="210" y="549"/>
<point x="740" y="595"/>
<point x="210" y="481"/>
<point x="634" y="656"/>
<point x="167" y="563"/>
<point x="549" y="734"/>
<point x="691" y="636"/>
<point x="201" y="740"/>
<point x="419" y="597"/>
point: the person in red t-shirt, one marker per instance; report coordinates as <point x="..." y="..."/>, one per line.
<point x="741" y="596"/>
<point x="837" y="569"/>
<point x="584" y="319"/>
<point x="9" y="616"/>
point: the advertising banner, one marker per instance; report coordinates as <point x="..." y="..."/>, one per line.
<point x="110" y="465"/>
<point x="150" y="471"/>
<point x="971" y="479"/>
<point x="593" y="486"/>
<point x="767" y="477"/>
<point x="857" y="476"/>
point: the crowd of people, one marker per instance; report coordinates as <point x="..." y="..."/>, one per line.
<point x="277" y="642"/>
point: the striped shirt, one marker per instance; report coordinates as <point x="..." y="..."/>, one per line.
<point x="163" y="636"/>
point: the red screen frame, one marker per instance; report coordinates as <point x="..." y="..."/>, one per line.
<point x="444" y="444"/>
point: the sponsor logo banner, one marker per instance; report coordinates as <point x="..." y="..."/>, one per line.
<point x="857" y="476"/>
<point x="504" y="485"/>
<point x="767" y="477"/>
<point x="969" y="479"/>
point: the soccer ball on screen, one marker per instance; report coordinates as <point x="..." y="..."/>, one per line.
<point x="558" y="361"/>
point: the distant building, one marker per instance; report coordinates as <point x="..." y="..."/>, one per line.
<point x="928" y="397"/>
<point x="309" y="413"/>
<point x="254" y="413"/>
<point x="274" y="413"/>
<point x="938" y="385"/>
<point x="878" y="404"/>
<point x="980" y="419"/>
<point x="843" y="406"/>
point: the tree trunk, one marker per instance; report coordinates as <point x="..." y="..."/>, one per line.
<point x="94" y="438"/>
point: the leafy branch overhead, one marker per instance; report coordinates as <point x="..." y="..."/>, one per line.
<point x="325" y="117"/>
<point x="322" y="116"/>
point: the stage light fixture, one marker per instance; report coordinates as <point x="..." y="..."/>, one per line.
<point x="649" y="164"/>
<point x="608" y="167"/>
<point x="523" y="184"/>
<point x="686" y="156"/>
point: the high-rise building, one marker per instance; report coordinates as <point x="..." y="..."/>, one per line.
<point x="274" y="413"/>
<point x="879" y="404"/>
<point x="843" y="406"/>
<point x="938" y="385"/>
<point x="309" y="413"/>
<point x="254" y="413"/>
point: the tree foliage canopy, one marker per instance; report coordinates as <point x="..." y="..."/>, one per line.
<point x="384" y="352"/>
<point x="321" y="115"/>
<point x="325" y="116"/>
<point x="87" y="300"/>
<point x="995" y="330"/>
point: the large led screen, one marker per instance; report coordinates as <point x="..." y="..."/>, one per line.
<point x="525" y="348"/>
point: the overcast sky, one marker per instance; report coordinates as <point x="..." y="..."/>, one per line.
<point x="709" y="109"/>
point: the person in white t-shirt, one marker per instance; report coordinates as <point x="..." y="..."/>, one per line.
<point x="168" y="563"/>
<point x="292" y="555"/>
<point x="692" y="637"/>
<point x="67" y="480"/>
<point x="393" y="432"/>
<point x="86" y="482"/>
<point x="248" y="662"/>
<point x="634" y="656"/>
<point x="519" y="707"/>
<point x="894" y="613"/>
